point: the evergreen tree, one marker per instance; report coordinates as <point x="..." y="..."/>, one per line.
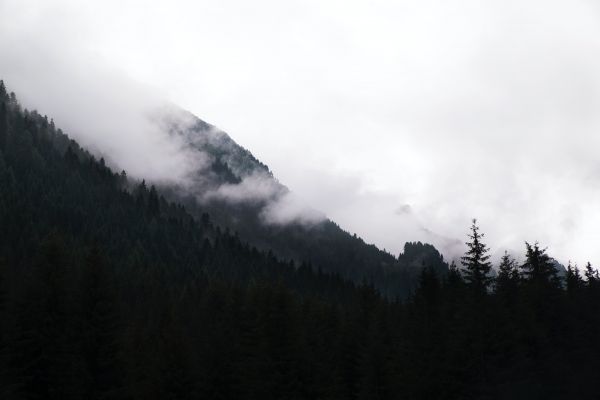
<point x="153" y="206"/>
<point x="3" y="94"/>
<point x="591" y="276"/>
<point x="454" y="278"/>
<point x="507" y="270"/>
<point x="3" y="124"/>
<point x="429" y="291"/>
<point x="476" y="261"/>
<point x="573" y="279"/>
<point x="508" y="277"/>
<point x="539" y="268"/>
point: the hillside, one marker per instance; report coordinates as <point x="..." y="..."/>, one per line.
<point x="241" y="193"/>
<point x="110" y="291"/>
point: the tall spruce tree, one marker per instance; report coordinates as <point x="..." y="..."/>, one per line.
<point x="573" y="280"/>
<point x="3" y="123"/>
<point x="476" y="262"/>
<point x="591" y="275"/>
<point x="508" y="277"/>
<point x="538" y="267"/>
<point x="454" y="278"/>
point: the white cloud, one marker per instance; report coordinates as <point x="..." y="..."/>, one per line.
<point x="461" y="110"/>
<point x="278" y="205"/>
<point x="290" y="208"/>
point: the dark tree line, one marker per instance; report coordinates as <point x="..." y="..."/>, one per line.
<point x="109" y="291"/>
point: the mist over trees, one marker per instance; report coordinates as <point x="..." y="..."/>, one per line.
<point x="110" y="291"/>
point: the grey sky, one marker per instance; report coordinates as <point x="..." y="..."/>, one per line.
<point x="401" y="120"/>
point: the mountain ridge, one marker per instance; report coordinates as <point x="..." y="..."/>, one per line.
<point x="109" y="290"/>
<point x="239" y="193"/>
<point x="296" y="238"/>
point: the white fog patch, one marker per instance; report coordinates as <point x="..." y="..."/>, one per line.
<point x="289" y="208"/>
<point x="102" y="109"/>
<point x="279" y="205"/>
<point x="257" y="187"/>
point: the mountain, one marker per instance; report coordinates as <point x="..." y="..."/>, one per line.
<point x="241" y="193"/>
<point x="50" y="186"/>
<point x="108" y="290"/>
<point x="232" y="191"/>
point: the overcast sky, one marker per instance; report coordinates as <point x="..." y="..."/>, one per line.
<point x="401" y="120"/>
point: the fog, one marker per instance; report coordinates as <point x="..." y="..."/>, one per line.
<point x="398" y="120"/>
<point x="103" y="109"/>
<point x="279" y="205"/>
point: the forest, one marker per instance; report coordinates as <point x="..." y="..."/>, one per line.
<point x="110" y="291"/>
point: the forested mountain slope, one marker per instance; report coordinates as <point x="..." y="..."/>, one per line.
<point x="51" y="186"/>
<point x="317" y="240"/>
<point x="109" y="291"/>
<point x="105" y="287"/>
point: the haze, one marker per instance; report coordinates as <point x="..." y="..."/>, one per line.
<point x="400" y="120"/>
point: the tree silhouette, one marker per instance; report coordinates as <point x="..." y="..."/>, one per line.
<point x="539" y="268"/>
<point x="591" y="275"/>
<point x="476" y="263"/>
<point x="507" y="280"/>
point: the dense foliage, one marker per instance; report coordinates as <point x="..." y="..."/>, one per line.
<point x="108" y="291"/>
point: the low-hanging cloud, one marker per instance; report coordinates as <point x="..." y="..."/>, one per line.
<point x="131" y="125"/>
<point x="257" y="187"/>
<point x="477" y="109"/>
<point x="279" y="206"/>
<point x="102" y="109"/>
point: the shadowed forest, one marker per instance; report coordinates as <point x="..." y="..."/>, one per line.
<point x="110" y="291"/>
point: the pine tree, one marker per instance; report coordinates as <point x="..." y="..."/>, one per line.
<point x="573" y="279"/>
<point x="538" y="267"/>
<point x="3" y="125"/>
<point x="454" y="278"/>
<point x="476" y="261"/>
<point x="123" y="178"/>
<point x="141" y="192"/>
<point x="428" y="292"/>
<point x="507" y="270"/>
<point x="591" y="276"/>
<point x="71" y="157"/>
<point x="508" y="276"/>
<point x="153" y="207"/>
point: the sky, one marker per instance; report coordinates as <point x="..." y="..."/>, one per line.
<point x="400" y="120"/>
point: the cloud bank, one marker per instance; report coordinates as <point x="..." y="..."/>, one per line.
<point x="102" y="108"/>
<point x="127" y="122"/>
<point x="477" y="109"/>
